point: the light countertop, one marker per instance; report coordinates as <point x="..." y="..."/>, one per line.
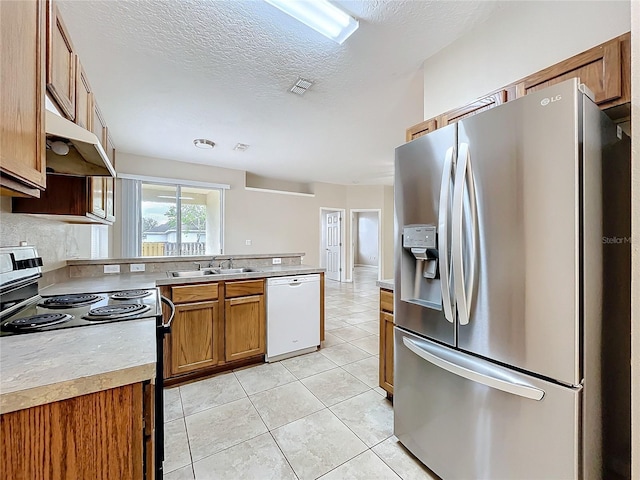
<point x="127" y="281"/>
<point x="36" y="369"/>
<point x="386" y="284"/>
<point x="180" y="258"/>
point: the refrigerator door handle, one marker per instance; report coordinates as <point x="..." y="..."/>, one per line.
<point x="492" y="381"/>
<point x="443" y="235"/>
<point x="464" y="287"/>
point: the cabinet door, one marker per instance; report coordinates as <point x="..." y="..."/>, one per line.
<point x="94" y="436"/>
<point x="109" y="198"/>
<point x="244" y="327"/>
<point x="480" y="105"/>
<point x="386" y="352"/>
<point x="193" y="334"/>
<point x="97" y="200"/>
<point x="599" y="68"/>
<point x="84" y="98"/>
<point x="22" y="134"/>
<point x="421" y="129"/>
<point x="98" y="125"/>
<point x="61" y="63"/>
<point x="111" y="150"/>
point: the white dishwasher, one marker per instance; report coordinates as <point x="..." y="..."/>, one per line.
<point x="293" y="316"/>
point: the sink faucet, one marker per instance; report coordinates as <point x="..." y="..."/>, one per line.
<point x="229" y="264"/>
<point x="197" y="264"/>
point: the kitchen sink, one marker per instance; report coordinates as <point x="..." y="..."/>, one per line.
<point x="194" y="273"/>
<point x="210" y="271"/>
<point x="222" y="271"/>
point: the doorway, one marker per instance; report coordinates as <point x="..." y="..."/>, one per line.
<point x="332" y="243"/>
<point x="366" y="241"/>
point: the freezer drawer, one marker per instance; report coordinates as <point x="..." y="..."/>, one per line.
<point x="466" y="418"/>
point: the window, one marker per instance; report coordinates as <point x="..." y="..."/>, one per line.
<point x="171" y="219"/>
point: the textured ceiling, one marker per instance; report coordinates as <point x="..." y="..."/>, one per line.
<point x="165" y="73"/>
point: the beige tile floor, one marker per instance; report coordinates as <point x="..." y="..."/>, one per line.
<point x="320" y="415"/>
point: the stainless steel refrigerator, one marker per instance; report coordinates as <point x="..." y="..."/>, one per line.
<point x="499" y="264"/>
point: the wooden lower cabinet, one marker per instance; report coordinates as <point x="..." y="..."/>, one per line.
<point x="194" y="337"/>
<point x="217" y="326"/>
<point x="195" y="340"/>
<point x="244" y="332"/>
<point x="386" y="341"/>
<point x="97" y="436"/>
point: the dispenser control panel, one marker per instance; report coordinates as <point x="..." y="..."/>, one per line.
<point x="419" y="236"/>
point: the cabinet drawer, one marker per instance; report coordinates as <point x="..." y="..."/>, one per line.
<point x="243" y="288"/>
<point x="194" y="293"/>
<point x="386" y="300"/>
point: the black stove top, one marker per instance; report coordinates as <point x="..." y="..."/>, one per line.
<point x="71" y="301"/>
<point x="47" y="313"/>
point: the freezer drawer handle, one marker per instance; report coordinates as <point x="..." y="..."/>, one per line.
<point x="443" y="235"/>
<point x="492" y="382"/>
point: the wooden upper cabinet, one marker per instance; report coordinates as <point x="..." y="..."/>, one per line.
<point x="98" y="125"/>
<point x="421" y="129"/>
<point x="605" y="70"/>
<point x="599" y="68"/>
<point x="84" y="98"/>
<point x="22" y="134"/>
<point x="97" y="200"/>
<point x="475" y="107"/>
<point x="61" y="63"/>
<point x="109" y="199"/>
<point x="111" y="150"/>
<point x="67" y="198"/>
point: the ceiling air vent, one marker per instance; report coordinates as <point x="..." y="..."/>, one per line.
<point x="301" y="86"/>
<point x="241" y="147"/>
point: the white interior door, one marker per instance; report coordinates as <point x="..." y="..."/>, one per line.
<point x="333" y="223"/>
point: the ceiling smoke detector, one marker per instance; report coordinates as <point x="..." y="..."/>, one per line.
<point x="301" y="86"/>
<point x="204" y="143"/>
<point x="241" y="147"/>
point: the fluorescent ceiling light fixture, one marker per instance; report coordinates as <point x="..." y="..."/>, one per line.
<point x="320" y="15"/>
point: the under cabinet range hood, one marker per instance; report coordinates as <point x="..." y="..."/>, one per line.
<point x="86" y="156"/>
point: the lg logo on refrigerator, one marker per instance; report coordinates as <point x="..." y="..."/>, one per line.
<point x="546" y="101"/>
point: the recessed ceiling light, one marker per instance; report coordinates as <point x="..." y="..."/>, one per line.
<point x="204" y="143"/>
<point x="301" y="86"/>
<point x="321" y="16"/>
<point x="241" y="147"/>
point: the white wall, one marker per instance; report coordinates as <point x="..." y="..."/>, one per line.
<point x="519" y="40"/>
<point x="635" y="235"/>
<point x="274" y="223"/>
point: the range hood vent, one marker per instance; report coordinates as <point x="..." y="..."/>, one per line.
<point x="86" y="155"/>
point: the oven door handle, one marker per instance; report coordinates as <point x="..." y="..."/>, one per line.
<point x="166" y="327"/>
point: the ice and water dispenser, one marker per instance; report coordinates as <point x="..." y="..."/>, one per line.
<point x="420" y="276"/>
